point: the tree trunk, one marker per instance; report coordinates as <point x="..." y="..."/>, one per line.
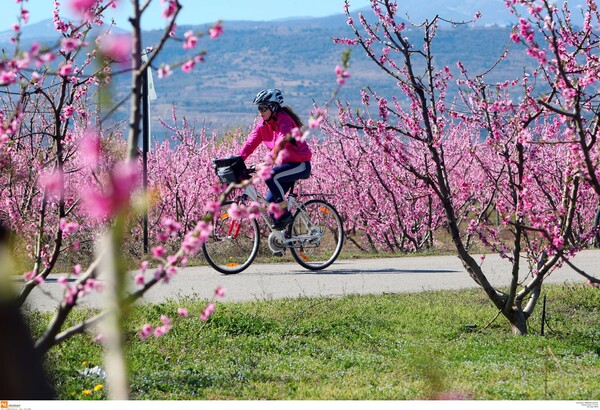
<point x="518" y="322"/>
<point x="22" y="376"/>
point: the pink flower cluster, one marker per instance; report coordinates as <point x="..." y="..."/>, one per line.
<point x="117" y="47"/>
<point x="191" y="40"/>
<point x="216" y="30"/>
<point x="159" y="331"/>
<point x="120" y="185"/>
<point x="341" y="75"/>
<point x="75" y="292"/>
<point x="170" y="8"/>
<point x="166" y="324"/>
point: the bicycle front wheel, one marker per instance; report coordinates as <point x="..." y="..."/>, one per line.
<point x="317" y="234"/>
<point x="233" y="244"/>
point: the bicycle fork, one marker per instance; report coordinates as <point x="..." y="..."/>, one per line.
<point x="234" y="228"/>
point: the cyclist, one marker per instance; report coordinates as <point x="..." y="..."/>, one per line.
<point x="276" y="122"/>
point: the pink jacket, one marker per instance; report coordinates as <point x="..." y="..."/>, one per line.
<point x="271" y="133"/>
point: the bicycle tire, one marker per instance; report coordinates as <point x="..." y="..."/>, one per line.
<point x="232" y="244"/>
<point x="316" y="253"/>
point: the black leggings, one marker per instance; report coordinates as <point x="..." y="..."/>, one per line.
<point x="283" y="177"/>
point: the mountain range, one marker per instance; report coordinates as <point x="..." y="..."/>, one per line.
<point x="298" y="56"/>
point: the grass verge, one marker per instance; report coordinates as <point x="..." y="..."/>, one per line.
<point x="388" y="347"/>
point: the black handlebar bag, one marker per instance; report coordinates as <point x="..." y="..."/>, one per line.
<point x="231" y="169"/>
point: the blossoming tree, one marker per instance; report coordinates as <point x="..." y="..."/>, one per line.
<point x="67" y="172"/>
<point x="516" y="173"/>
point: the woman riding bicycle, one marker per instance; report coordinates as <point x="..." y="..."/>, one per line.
<point x="293" y="163"/>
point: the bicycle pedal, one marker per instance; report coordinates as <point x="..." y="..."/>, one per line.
<point x="279" y="253"/>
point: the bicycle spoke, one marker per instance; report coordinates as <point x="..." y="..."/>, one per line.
<point x="233" y="244"/>
<point x="316" y="235"/>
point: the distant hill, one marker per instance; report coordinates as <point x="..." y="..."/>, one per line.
<point x="298" y="56"/>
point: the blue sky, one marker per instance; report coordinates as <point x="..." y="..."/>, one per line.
<point x="195" y="11"/>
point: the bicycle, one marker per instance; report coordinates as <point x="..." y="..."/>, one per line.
<point x="314" y="236"/>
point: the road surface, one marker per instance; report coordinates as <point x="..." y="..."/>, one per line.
<point x="345" y="277"/>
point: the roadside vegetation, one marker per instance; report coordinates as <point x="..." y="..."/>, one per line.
<point x="433" y="345"/>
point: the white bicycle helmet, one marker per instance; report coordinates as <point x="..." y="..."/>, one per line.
<point x="268" y="97"/>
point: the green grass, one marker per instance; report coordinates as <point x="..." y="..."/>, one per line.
<point x="393" y="347"/>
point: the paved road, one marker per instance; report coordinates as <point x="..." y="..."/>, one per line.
<point x="364" y="276"/>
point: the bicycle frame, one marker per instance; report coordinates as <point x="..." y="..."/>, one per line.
<point x="295" y="241"/>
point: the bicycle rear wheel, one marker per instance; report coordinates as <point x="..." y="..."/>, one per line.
<point x="233" y="244"/>
<point x="319" y="234"/>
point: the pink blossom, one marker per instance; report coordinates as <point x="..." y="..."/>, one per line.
<point x="190" y="40"/>
<point x="7" y="77"/>
<point x="188" y="66"/>
<point x="254" y="210"/>
<point x="276" y="210"/>
<point x="264" y="172"/>
<point x="558" y="242"/>
<point x="164" y="71"/>
<point x="160" y="331"/>
<point x="25" y="15"/>
<point x="52" y="182"/>
<point x="216" y="30"/>
<point x="169" y="11"/>
<point x="70" y="44"/>
<point x="220" y="292"/>
<point x="158" y="251"/>
<point x="144" y="266"/>
<point x="69" y="111"/>
<point x="298" y="135"/>
<point x="341" y="75"/>
<point x="146" y="331"/>
<point x="28" y="276"/>
<point x="123" y="180"/>
<point x="89" y="148"/>
<point x="212" y="207"/>
<point x="117" y="47"/>
<point x="171" y="225"/>
<point x="139" y="279"/>
<point x="82" y="7"/>
<point x="165" y="328"/>
<point x="68" y="227"/>
<point x="193" y="240"/>
<point x="171" y="271"/>
<point x="65" y="70"/>
<point x="282" y="157"/>
<point x="237" y="212"/>
<point x="208" y="312"/>
<point x="76" y="269"/>
<point x="183" y="312"/>
<point x="315" y="119"/>
<point x="165" y="320"/>
<point x="45" y="58"/>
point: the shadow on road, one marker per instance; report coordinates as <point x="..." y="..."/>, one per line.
<point x="389" y="271"/>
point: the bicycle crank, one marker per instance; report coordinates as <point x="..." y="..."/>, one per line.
<point x="277" y="243"/>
